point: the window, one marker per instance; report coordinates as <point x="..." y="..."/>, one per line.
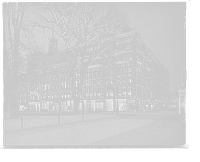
<point x="106" y="59"/>
<point x="119" y="79"/>
<point x="99" y="92"/>
<point x="86" y="74"/>
<point x="106" y="80"/>
<point x="111" y="70"/>
<point x="106" y="70"/>
<point x="106" y="92"/>
<point x="90" y="73"/>
<point x="86" y="82"/>
<point x="118" y="69"/>
<point x="94" y="73"/>
<point x="98" y="71"/>
<point x="68" y="94"/>
<point x="129" y="90"/>
<point x="124" y="79"/>
<point x="76" y="84"/>
<point x="111" y="80"/>
<point x="95" y="93"/>
<point x="86" y="92"/>
<point x="64" y="76"/>
<point x="68" y="85"/>
<point x="94" y="82"/>
<point x="124" y="91"/>
<point x="129" y="68"/>
<point x="90" y="91"/>
<point x="111" y="59"/>
<point x="111" y="93"/>
<point x="90" y="82"/>
<point x="129" y="78"/>
<point x="124" y="68"/>
<point x="99" y="81"/>
<point x="119" y="91"/>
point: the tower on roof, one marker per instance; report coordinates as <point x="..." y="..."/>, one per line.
<point x="53" y="44"/>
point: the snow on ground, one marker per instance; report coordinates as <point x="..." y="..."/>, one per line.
<point x="83" y="134"/>
<point x="78" y="133"/>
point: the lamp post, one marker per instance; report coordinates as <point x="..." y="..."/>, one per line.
<point x="179" y="106"/>
<point x="117" y="109"/>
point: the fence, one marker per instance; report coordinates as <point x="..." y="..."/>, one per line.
<point x="42" y="120"/>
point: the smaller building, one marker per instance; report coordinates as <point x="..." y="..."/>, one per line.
<point x="183" y="97"/>
<point x="22" y="92"/>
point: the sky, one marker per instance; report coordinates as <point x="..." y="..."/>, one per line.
<point x="163" y="25"/>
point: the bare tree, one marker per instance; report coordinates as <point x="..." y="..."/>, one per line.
<point x="83" y="26"/>
<point x="13" y="17"/>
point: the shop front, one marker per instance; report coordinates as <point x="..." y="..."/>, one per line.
<point x="93" y="104"/>
<point x="23" y="106"/>
<point x="34" y="105"/>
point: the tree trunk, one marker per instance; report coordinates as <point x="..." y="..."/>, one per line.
<point x="7" y="75"/>
<point x="14" y="105"/>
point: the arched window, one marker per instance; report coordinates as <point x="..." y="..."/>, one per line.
<point x="118" y="69"/>
<point x="124" y="68"/>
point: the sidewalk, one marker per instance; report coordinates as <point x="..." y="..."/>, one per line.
<point x="28" y="122"/>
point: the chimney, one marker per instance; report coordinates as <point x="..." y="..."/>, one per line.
<point x="126" y="29"/>
<point x="53" y="44"/>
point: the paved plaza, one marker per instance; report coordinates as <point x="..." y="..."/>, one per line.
<point x="128" y="129"/>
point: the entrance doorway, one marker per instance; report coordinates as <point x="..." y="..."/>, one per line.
<point x="122" y="104"/>
<point x="109" y="104"/>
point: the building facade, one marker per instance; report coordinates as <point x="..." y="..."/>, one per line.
<point x="126" y="75"/>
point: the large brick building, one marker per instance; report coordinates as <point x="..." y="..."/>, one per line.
<point x="125" y="76"/>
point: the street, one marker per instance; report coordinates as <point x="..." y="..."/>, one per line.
<point x="128" y="130"/>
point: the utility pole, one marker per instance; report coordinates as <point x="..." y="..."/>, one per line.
<point x="179" y="105"/>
